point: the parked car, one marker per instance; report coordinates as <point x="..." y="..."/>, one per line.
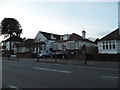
<point x="59" y="54"/>
<point x="5" y="54"/>
<point x="44" y="54"/>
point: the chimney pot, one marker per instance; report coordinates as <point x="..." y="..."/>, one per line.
<point x="83" y="34"/>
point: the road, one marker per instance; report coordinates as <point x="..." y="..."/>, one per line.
<point x="30" y="74"/>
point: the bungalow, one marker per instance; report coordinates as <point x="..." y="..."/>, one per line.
<point x="44" y="40"/>
<point x="6" y="43"/>
<point x="23" y="47"/>
<point x="74" y="43"/>
<point x="110" y="44"/>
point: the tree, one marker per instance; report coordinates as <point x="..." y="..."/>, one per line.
<point x="96" y="41"/>
<point x="10" y="27"/>
<point x="92" y="38"/>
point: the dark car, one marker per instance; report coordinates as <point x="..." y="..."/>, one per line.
<point x="5" y="54"/>
<point x="45" y="54"/>
<point x="59" y="54"/>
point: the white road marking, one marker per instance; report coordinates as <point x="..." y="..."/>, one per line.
<point x="11" y="86"/>
<point x="62" y="71"/>
<point x="110" y="77"/>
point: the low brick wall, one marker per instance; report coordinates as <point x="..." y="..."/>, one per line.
<point x="103" y="57"/>
<point x="89" y="57"/>
<point x="21" y="55"/>
<point x="26" y="55"/>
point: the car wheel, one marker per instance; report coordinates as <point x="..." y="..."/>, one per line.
<point x="43" y="56"/>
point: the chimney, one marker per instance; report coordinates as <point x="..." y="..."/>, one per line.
<point x="83" y="34"/>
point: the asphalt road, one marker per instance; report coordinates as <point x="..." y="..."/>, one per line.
<point x="30" y="74"/>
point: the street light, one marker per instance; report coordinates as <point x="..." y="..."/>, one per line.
<point x="63" y="49"/>
<point x="84" y="53"/>
<point x="55" y="57"/>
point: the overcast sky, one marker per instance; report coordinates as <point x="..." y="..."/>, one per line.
<point x="98" y="18"/>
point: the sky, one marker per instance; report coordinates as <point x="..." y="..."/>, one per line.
<point x="62" y="17"/>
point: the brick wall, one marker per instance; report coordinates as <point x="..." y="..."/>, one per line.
<point x="103" y="57"/>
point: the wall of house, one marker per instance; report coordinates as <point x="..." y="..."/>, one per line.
<point x="44" y="47"/>
<point x="40" y="37"/>
<point x="118" y="46"/>
<point x="22" y="50"/>
<point x="65" y="37"/>
<point x="75" y="45"/>
<point x="104" y="47"/>
<point x="49" y="45"/>
<point x="71" y="45"/>
<point x="0" y="47"/>
<point x="7" y="45"/>
<point x="90" y="47"/>
<point x="81" y="43"/>
<point x="3" y="45"/>
<point x="57" y="46"/>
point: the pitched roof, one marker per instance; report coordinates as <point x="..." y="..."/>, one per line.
<point x="112" y="36"/>
<point x="48" y="35"/>
<point x="75" y="37"/>
<point x="14" y="38"/>
<point x="26" y="43"/>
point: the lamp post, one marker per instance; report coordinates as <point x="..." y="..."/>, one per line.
<point x="63" y="49"/>
<point x="55" y="57"/>
<point x="84" y="54"/>
<point x="84" y="57"/>
<point x="17" y="54"/>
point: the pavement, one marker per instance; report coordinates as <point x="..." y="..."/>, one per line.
<point x="105" y="64"/>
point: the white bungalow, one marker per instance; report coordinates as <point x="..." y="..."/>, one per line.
<point x="44" y="41"/>
<point x="110" y="44"/>
<point x="73" y="43"/>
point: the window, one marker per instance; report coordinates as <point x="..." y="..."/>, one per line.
<point x="103" y="45"/>
<point x="99" y="45"/>
<point x="56" y="47"/>
<point x="40" y="47"/>
<point x="43" y="47"/>
<point x="106" y="45"/>
<point x="114" y="45"/>
<point x="71" y="45"/>
<point x="110" y="46"/>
